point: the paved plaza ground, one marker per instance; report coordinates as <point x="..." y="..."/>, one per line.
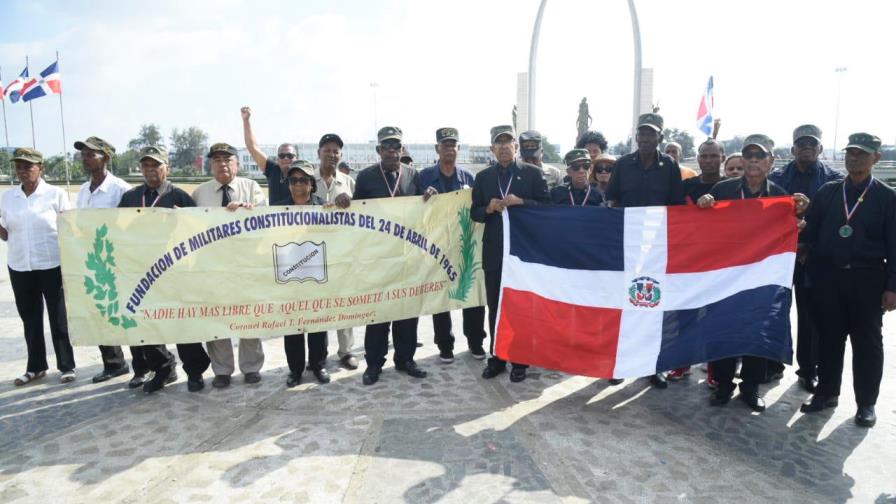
<point x="452" y="437"/>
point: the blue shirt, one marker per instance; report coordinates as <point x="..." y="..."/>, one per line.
<point x="432" y="177"/>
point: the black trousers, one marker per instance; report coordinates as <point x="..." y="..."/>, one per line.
<point x="404" y="339"/>
<point x="846" y="302"/>
<point x="492" y="294"/>
<point x="294" y="345"/>
<point x="752" y="373"/>
<point x="113" y="359"/>
<point x="193" y="356"/>
<point x="474" y="328"/>
<point x="806" y="332"/>
<point x="31" y="289"/>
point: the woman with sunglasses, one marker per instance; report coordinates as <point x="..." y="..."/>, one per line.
<point x="601" y="170"/>
<point x="578" y="191"/>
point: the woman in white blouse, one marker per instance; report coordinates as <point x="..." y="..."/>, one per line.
<point x="28" y="225"/>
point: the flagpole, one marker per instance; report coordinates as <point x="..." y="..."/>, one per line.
<point x="3" y="102"/>
<point x="64" y="144"/>
<point x="31" y="109"/>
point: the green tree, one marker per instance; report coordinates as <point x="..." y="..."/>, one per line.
<point x="123" y="163"/>
<point x="683" y="138"/>
<point x="6" y="167"/>
<point x="621" y="148"/>
<point x="149" y="135"/>
<point x="186" y="146"/>
<point x="733" y="145"/>
<point x="551" y="155"/>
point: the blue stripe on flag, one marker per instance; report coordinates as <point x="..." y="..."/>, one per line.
<point x="583" y="238"/>
<point x="752" y="322"/>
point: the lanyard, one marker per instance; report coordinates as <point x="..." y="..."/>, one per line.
<point x="861" y="199"/>
<point x="584" y="201"/>
<point x="158" y="197"/>
<point x="505" y="191"/>
<point x="392" y="191"/>
<point x="742" y="196"/>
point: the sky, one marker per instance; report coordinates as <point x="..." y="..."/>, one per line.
<point x="306" y="68"/>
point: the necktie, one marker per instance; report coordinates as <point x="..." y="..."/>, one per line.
<point x="225" y="195"/>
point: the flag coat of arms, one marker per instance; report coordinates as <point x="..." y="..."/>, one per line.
<point x="48" y="83"/>
<point x="13" y="91"/>
<point x="704" y="111"/>
<point x="625" y="293"/>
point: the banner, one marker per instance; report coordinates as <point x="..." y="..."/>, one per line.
<point x="137" y="276"/>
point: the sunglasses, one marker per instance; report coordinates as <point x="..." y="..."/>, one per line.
<point x="299" y="181"/>
<point x="755" y="154"/>
<point x="286" y="155"/>
<point x="806" y="142"/>
<point x="579" y="166"/>
<point x="603" y="169"/>
<point x="391" y="145"/>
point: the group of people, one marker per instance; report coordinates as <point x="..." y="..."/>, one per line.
<point x="844" y="280"/>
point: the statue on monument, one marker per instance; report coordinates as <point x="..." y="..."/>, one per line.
<point x="584" y="120"/>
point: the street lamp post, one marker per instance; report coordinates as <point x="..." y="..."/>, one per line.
<point x="373" y="86"/>
<point x="839" y="71"/>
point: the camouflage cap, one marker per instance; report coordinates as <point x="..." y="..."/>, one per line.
<point x="28" y="154"/>
<point x="156" y="152"/>
<point x="222" y="147"/>
<point x="530" y="141"/>
<point x="652" y="120"/>
<point x="759" y="140"/>
<point x="97" y="144"/>
<point x="389" y="132"/>
<point x="807" y="130"/>
<point x="576" y="155"/>
<point x="330" y="137"/>
<point x="443" y="134"/>
<point x="303" y="166"/>
<point x="504" y="129"/>
<point x="864" y="141"/>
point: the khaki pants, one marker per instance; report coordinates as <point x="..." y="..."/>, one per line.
<point x="346" y="341"/>
<point x="221" y="354"/>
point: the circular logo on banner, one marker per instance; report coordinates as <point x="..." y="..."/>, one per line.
<point x="645" y="292"/>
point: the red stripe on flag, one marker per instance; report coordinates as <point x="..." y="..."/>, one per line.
<point x="55" y="86"/>
<point x="554" y="335"/>
<point x="733" y="233"/>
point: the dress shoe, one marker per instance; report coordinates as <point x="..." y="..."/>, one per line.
<point x="136" y="381"/>
<point x="720" y="397"/>
<point x="221" y="381"/>
<point x="808" y="384"/>
<point x="371" y="376"/>
<point x="252" y="377"/>
<point x="517" y="374"/>
<point x="865" y="417"/>
<point x="819" y="402"/>
<point x="293" y="379"/>
<point x="659" y="381"/>
<point x="349" y="361"/>
<point x="753" y="400"/>
<point x="195" y="383"/>
<point x="615" y="381"/>
<point x="322" y="375"/>
<point x="477" y="352"/>
<point x="158" y="380"/>
<point x="411" y="368"/>
<point x="446" y="356"/>
<point x="492" y="371"/>
<point x="108" y="375"/>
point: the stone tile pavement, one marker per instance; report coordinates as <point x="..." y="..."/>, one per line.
<point x="452" y="437"/>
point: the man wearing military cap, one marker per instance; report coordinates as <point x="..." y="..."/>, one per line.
<point x="156" y="191"/>
<point x="345" y="168"/>
<point x="647" y="177"/>
<point x="104" y="190"/>
<point x="388" y="179"/>
<point x="850" y="236"/>
<point x="532" y="151"/>
<point x="579" y="191"/>
<point x="274" y="169"/>
<point x="443" y="177"/>
<point x="506" y="183"/>
<point x="805" y="174"/>
<point x="228" y="190"/>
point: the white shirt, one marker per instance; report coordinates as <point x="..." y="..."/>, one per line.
<point x="31" y="223"/>
<point x="242" y="190"/>
<point x="107" y="195"/>
<point x="341" y="184"/>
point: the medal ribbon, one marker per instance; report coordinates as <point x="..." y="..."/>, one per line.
<point x="505" y="192"/>
<point x="742" y="196"/>
<point x="584" y="201"/>
<point x="392" y="191"/>
<point x="861" y="199"/>
<point x="158" y="197"/>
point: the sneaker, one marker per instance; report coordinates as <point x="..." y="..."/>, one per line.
<point x="679" y="374"/>
<point x="446" y="356"/>
<point x="67" y="377"/>
<point x="477" y="352"/>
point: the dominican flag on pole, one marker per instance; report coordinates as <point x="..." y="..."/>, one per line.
<point x="625" y="293"/>
<point x="14" y="90"/>
<point x="704" y="112"/>
<point x="47" y="83"/>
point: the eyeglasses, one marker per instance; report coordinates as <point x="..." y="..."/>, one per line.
<point x="806" y="142"/>
<point x="579" y="166"/>
<point x="755" y="154"/>
<point x="603" y="169"/>
<point x="299" y="181"/>
<point x="391" y="145"/>
<point x="286" y="155"/>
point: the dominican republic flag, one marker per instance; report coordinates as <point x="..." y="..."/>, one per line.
<point x="625" y="293"/>
<point x="14" y="90"/>
<point x="704" y="112"/>
<point x="48" y="83"/>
